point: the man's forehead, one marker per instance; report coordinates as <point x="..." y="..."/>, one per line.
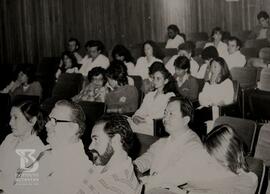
<point x="98" y="130"/>
<point x="174" y="106"/>
<point x="61" y="112"/>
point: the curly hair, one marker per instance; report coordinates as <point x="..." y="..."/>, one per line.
<point x="118" y="124"/>
<point x="118" y="71"/>
<point x="121" y="50"/>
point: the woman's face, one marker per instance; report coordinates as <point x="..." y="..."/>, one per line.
<point x="215" y="69"/>
<point x="159" y="80"/>
<point x="67" y="62"/>
<point x="18" y="123"/>
<point x="23" y="78"/>
<point x="98" y="80"/>
<point x="217" y="36"/>
<point x="148" y="50"/>
<point x="180" y="72"/>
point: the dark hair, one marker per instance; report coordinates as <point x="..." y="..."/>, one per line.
<point x="96" y="43"/>
<point x="182" y="62"/>
<point x="118" y="124"/>
<point x="224" y="144"/>
<point x="76" y="41"/>
<point x="216" y="30"/>
<point x="225" y="72"/>
<point x="209" y="52"/>
<point x="156" y="49"/>
<point x="30" y="110"/>
<point x="118" y="71"/>
<point x="95" y="72"/>
<point x="237" y="40"/>
<point x="77" y="115"/>
<point x="174" y="28"/>
<point x="262" y="14"/>
<point x="72" y="58"/>
<point x="155" y="67"/>
<point x="29" y="70"/>
<point x="186" y="106"/>
<point x="188" y="46"/>
<point x="171" y="85"/>
<point x="121" y="50"/>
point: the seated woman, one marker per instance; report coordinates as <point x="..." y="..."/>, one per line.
<point x="121" y="53"/>
<point x="122" y="98"/>
<point x="187" y="85"/>
<point x="150" y="54"/>
<point x="95" y="90"/>
<point x="25" y="84"/>
<point x="223" y="144"/>
<point x="217" y="91"/>
<point x="155" y="102"/>
<point x="69" y="64"/>
<point x="26" y="122"/>
<point x="216" y="41"/>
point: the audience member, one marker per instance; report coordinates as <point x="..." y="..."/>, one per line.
<point x="174" y="37"/>
<point x="74" y="46"/>
<point x="179" y="159"/>
<point x="155" y="102"/>
<point x="151" y="53"/>
<point x="187" y="85"/>
<point x="112" y="139"/>
<point x="95" y="90"/>
<point x="26" y="122"/>
<point x="121" y="53"/>
<point x="122" y="98"/>
<point x="94" y="57"/>
<point x="26" y="83"/>
<point x="262" y="31"/>
<point x="66" y="124"/>
<point x="186" y="49"/>
<point x="208" y="54"/>
<point x="235" y="57"/>
<point x="216" y="41"/>
<point x="69" y="64"/>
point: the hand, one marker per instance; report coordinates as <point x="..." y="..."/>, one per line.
<point x="137" y="119"/>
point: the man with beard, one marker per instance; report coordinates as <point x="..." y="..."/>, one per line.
<point x="112" y="138"/>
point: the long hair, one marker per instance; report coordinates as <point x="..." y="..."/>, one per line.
<point x="227" y="148"/>
<point x="121" y="50"/>
<point x="225" y="72"/>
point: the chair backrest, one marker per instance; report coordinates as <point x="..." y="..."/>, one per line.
<point x="258" y="167"/>
<point x="260" y="105"/>
<point x="236" y="88"/>
<point x="242" y="35"/>
<point x="250" y="52"/>
<point x="245" y="76"/>
<point x="246" y="130"/>
<point x="170" y="51"/>
<point x="200" y="43"/>
<point x="264" y="83"/>
<point x="68" y="85"/>
<point x="264" y="54"/>
<point x="256" y="62"/>
<point x="21" y="98"/>
<point x="256" y="43"/>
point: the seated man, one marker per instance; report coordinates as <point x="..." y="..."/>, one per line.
<point x="179" y="159"/>
<point x="186" y="49"/>
<point x="174" y="37"/>
<point x="261" y="31"/>
<point x="112" y="139"/>
<point x="67" y="164"/>
<point x="74" y="46"/>
<point x="94" y="57"/>
<point x="235" y="57"/>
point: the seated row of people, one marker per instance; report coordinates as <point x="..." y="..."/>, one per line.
<point x="180" y="163"/>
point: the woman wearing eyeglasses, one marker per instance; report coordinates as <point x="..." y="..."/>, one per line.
<point x="22" y="147"/>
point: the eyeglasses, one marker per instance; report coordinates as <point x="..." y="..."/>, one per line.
<point x="54" y="121"/>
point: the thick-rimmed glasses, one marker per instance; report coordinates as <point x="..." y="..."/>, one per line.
<point x="54" y="121"/>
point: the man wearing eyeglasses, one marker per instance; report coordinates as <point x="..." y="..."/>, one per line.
<point x="67" y="162"/>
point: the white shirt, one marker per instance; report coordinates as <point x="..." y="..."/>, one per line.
<point x="217" y="94"/>
<point x="142" y="66"/>
<point x="237" y="59"/>
<point x="88" y="63"/>
<point x="174" y="43"/>
<point x="222" y="48"/>
<point x="130" y="67"/>
<point x="194" y="66"/>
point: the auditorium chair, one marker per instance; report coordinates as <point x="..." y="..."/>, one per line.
<point x="264" y="54"/>
<point x="250" y="52"/>
<point x="256" y="43"/>
<point x="246" y="129"/>
<point x="197" y="36"/>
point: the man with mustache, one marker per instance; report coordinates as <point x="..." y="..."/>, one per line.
<point x="112" y="139"/>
